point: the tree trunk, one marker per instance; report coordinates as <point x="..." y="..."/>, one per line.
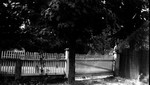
<point x="71" y="61"/>
<point x="18" y="69"/>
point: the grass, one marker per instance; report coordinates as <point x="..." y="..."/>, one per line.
<point x="112" y="81"/>
<point x="33" y="80"/>
<point x="60" y="80"/>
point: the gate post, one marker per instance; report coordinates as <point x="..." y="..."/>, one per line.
<point x="116" y="54"/>
<point x="117" y="60"/>
<point x="18" y="69"/>
<point x="0" y="61"/>
<point x="67" y="62"/>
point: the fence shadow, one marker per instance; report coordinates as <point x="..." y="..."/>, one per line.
<point x="99" y="67"/>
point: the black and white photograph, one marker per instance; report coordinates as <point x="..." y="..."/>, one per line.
<point x="74" y="42"/>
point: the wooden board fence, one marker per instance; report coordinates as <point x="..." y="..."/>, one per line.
<point x="94" y="64"/>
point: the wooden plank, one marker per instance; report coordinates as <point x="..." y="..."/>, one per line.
<point x="27" y="67"/>
<point x="13" y="55"/>
<point x="22" y="68"/>
<point x="1" y="55"/>
<point x="49" y="67"/>
<point x="60" y="70"/>
<point x="25" y="64"/>
<point x="6" y="66"/>
<point x="4" y="54"/>
<point x="5" y="69"/>
<point x="11" y="67"/>
<point x="8" y="54"/>
<point x="2" y="67"/>
<point x="95" y="60"/>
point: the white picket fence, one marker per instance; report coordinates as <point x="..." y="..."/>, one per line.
<point x="53" y="63"/>
<point x="30" y="55"/>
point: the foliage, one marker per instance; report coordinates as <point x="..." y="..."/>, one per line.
<point x="14" y="16"/>
<point x="140" y="39"/>
<point x="20" y="26"/>
<point x="132" y="14"/>
<point x="53" y="24"/>
<point x="81" y="22"/>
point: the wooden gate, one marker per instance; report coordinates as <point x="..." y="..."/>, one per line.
<point x="33" y="63"/>
<point x="95" y="65"/>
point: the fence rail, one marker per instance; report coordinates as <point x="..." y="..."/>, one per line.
<point x="31" y="55"/>
<point x="94" y="57"/>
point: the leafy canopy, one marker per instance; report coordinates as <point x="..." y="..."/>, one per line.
<point x="52" y="25"/>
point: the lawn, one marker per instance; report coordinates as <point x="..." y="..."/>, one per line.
<point x="112" y="81"/>
<point x="49" y="80"/>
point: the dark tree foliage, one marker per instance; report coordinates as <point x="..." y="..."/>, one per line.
<point x="131" y="13"/>
<point x="81" y="22"/>
<point x="21" y="26"/>
<point x="50" y="25"/>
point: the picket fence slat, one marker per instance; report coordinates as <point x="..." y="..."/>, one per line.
<point x="30" y="55"/>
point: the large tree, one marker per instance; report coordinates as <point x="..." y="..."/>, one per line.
<point x="95" y="21"/>
<point x="92" y="24"/>
<point x="80" y="22"/>
<point x="72" y="23"/>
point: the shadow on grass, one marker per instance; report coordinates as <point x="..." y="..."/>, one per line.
<point x="32" y="80"/>
<point x="95" y="66"/>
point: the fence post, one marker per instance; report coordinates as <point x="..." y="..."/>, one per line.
<point x="117" y="60"/>
<point x="18" y="69"/>
<point x="67" y="62"/>
<point x="0" y="61"/>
